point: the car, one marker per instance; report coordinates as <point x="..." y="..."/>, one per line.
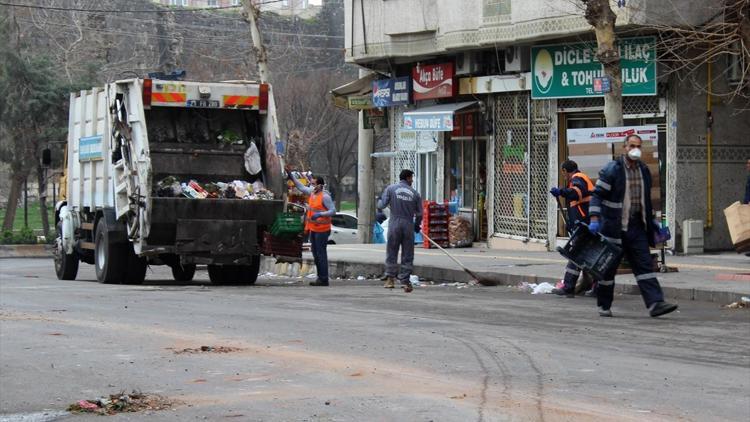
<point x="343" y="229"/>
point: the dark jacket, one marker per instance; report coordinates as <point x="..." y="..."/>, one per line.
<point x="578" y="212"/>
<point x="747" y="191"/>
<point x="608" y="196"/>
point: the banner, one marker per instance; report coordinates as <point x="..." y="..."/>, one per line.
<point x="572" y="70"/>
<point x="597" y="135"/>
<point x="391" y="92"/>
<point x="433" y="81"/>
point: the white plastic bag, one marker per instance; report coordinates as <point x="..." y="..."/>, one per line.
<point x="252" y="160"/>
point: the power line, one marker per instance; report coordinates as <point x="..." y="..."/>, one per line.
<point x="177" y="10"/>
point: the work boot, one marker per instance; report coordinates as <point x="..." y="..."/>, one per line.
<point x="661" y="308"/>
<point x="563" y="292"/>
<point x="408" y="288"/>
<point x="590" y="293"/>
<point x="319" y="283"/>
<point x="605" y="312"/>
<point x="390" y="283"/>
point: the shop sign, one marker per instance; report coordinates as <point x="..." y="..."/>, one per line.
<point x="597" y="135"/>
<point x="442" y="122"/>
<point x="570" y="70"/>
<point x="360" y="102"/>
<point x="421" y="142"/>
<point x="391" y="92"/>
<point x="433" y="81"/>
<point x="375" y="119"/>
<point x="90" y="148"/>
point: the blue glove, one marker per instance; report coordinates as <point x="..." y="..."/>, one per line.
<point x="594" y="227"/>
<point x="555" y="191"/>
<point x="417" y="226"/>
<point x="315" y="216"/>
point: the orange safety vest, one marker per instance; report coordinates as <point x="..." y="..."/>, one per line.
<point x="315" y="204"/>
<point x="581" y="199"/>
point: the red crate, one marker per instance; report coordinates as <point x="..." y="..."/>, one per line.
<point x="435" y="219"/>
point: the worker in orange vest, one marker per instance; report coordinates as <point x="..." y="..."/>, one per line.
<point x="320" y="209"/>
<point x="578" y="194"/>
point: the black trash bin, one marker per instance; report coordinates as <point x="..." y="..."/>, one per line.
<point x="591" y="252"/>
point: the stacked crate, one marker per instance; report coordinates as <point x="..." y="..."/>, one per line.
<point x="435" y="219"/>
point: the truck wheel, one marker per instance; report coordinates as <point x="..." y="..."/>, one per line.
<point x="66" y="265"/>
<point x="217" y="274"/>
<point x="137" y="267"/>
<point x="110" y="259"/>
<point x="184" y="272"/>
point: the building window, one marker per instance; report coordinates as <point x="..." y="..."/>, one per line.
<point x="213" y="3"/>
<point x="235" y="2"/>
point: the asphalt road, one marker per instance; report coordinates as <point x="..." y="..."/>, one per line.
<point x="357" y="352"/>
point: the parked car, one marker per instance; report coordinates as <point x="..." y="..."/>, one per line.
<point x="344" y="229"/>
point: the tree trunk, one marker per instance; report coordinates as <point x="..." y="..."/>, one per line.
<point x="13" y="196"/>
<point x="600" y="15"/>
<point x="42" y="181"/>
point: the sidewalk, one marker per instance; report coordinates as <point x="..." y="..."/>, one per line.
<point x="722" y="277"/>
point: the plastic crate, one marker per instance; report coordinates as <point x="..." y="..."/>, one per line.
<point x="592" y="252"/>
<point x="287" y="225"/>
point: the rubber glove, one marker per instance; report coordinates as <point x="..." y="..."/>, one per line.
<point x="555" y="191"/>
<point x="315" y="216"/>
<point x="594" y="226"/>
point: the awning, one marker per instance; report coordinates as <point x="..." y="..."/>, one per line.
<point x="434" y="118"/>
<point x="357" y="90"/>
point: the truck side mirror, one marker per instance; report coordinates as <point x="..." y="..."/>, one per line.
<point x="46" y="157"/>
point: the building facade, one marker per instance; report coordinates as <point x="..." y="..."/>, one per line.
<point x="503" y="91"/>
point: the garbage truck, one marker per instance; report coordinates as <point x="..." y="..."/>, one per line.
<point x="169" y="172"/>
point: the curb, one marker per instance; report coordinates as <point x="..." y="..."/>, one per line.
<point x="348" y="269"/>
<point x="25" y="251"/>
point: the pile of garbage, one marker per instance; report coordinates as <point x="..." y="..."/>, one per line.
<point x="460" y="234"/>
<point x="118" y="403"/>
<point x="170" y="187"/>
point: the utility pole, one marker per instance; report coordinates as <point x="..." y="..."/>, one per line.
<point x="365" y="179"/>
<point x="253" y="13"/>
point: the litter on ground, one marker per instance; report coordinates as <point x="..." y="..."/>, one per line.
<point x="119" y="403"/>
<point x="542" y="288"/>
<point x="207" y="349"/>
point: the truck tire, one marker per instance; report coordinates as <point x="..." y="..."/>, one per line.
<point x="137" y="267"/>
<point x="184" y="272"/>
<point x="66" y="265"/>
<point x="110" y="258"/>
<point x="235" y="274"/>
<point x="217" y="274"/>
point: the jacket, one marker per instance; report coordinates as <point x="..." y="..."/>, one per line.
<point x="578" y="195"/>
<point x="608" y="197"/>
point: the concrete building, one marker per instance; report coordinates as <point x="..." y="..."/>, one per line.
<point x="302" y="8"/>
<point x="485" y="99"/>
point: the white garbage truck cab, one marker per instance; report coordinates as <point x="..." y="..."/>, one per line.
<point x="158" y="172"/>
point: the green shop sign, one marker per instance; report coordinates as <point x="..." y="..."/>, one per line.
<point x="572" y="70"/>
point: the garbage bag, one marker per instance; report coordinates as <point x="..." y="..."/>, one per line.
<point x="252" y="160"/>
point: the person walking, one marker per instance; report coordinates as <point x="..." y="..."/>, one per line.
<point x="320" y="209"/>
<point x="746" y="199"/>
<point x="406" y="219"/>
<point x="578" y="195"/>
<point x="621" y="210"/>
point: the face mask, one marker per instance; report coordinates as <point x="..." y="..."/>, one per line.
<point x="634" y="154"/>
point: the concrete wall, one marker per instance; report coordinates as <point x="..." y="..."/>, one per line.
<point x="731" y="149"/>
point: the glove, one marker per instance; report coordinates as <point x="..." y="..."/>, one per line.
<point x="594" y="227"/>
<point x="315" y="216"/>
<point x="417" y="226"/>
<point x="555" y="191"/>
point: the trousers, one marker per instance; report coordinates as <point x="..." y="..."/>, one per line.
<point x="400" y="235"/>
<point x="319" y="246"/>
<point x="636" y="250"/>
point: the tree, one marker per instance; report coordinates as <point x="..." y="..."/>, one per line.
<point x="599" y="14"/>
<point x="32" y="113"/>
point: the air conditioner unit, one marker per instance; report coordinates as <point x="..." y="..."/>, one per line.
<point x="468" y="63"/>
<point x="517" y="59"/>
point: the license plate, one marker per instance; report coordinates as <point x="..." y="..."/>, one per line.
<point x="204" y="103"/>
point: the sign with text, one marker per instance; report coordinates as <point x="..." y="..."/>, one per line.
<point x="375" y="119"/>
<point x="391" y="92"/>
<point x="441" y="122"/>
<point x="595" y="135"/>
<point x="571" y="70"/>
<point x="360" y="102"/>
<point x="420" y="142"/>
<point x="90" y="148"/>
<point x="432" y="81"/>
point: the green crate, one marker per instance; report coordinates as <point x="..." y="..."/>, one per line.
<point x="287" y="224"/>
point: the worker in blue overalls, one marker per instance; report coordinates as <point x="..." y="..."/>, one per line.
<point x="621" y="211"/>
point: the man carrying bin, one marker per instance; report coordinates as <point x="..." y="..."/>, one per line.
<point x="621" y="211"/>
<point x="578" y="194"/>
<point x="405" y="220"/>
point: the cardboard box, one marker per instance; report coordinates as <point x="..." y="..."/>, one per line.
<point x="738" y="221"/>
